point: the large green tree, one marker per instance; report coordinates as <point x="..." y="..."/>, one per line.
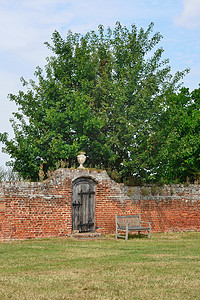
<point x="104" y="92"/>
<point x="174" y="148"/>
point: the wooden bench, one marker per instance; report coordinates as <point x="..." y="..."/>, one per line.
<point x="131" y="223"/>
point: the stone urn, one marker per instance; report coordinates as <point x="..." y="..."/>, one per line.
<point x="81" y="159"/>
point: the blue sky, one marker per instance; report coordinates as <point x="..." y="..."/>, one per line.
<point x="26" y="24"/>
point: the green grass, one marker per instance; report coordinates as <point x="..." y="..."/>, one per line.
<point x="167" y="266"/>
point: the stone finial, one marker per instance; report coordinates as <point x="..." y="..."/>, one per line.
<point x="81" y="159"/>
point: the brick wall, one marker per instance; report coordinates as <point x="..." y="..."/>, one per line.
<point x="43" y="209"/>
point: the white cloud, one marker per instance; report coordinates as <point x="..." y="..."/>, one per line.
<point x="190" y="16"/>
<point x="26" y="24"/>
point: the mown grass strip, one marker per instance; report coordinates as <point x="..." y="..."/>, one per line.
<point x="163" y="267"/>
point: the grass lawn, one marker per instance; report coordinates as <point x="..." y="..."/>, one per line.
<point x="167" y="266"/>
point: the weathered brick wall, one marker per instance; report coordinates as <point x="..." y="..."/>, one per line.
<point x="30" y="210"/>
<point x="169" y="208"/>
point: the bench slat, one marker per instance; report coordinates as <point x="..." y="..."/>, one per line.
<point x="130" y="228"/>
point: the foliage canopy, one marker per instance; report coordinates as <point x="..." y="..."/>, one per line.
<point x="110" y="94"/>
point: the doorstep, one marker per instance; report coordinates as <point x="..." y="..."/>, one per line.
<point x="86" y="235"/>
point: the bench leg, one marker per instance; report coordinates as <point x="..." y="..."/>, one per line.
<point x="116" y="234"/>
<point x="149" y="234"/>
<point x="126" y="232"/>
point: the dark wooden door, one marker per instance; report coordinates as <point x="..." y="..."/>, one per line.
<point x="83" y="204"/>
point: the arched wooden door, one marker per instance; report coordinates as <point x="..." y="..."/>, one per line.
<point x="83" y="205"/>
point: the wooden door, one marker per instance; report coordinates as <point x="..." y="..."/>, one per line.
<point x="83" y="205"/>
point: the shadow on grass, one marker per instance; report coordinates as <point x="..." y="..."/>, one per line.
<point x="136" y="236"/>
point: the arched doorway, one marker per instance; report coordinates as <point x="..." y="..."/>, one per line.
<point x="83" y="205"/>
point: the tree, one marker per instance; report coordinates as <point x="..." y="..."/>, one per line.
<point x="8" y="175"/>
<point x="100" y="92"/>
<point x="177" y="138"/>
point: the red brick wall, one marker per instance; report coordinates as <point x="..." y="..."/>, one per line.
<point x="31" y="210"/>
<point x="167" y="213"/>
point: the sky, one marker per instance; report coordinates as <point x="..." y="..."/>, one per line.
<point x="26" y="24"/>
